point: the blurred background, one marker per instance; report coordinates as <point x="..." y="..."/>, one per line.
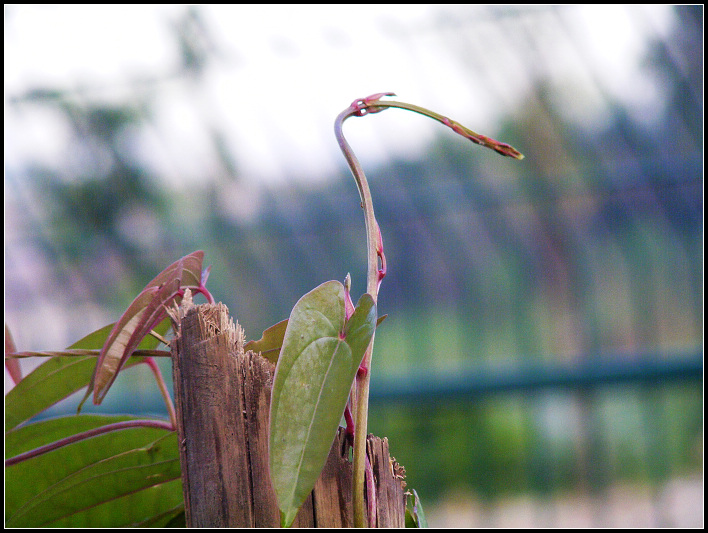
<point x="542" y="361"/>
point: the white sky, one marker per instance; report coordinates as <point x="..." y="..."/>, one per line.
<point x="283" y="73"/>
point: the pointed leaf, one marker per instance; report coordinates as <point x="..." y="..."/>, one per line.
<point x="12" y="365"/>
<point x="188" y="270"/>
<point x="47" y="384"/>
<point x="270" y="342"/>
<point x="360" y="327"/>
<point x="52" y="381"/>
<point x="272" y="339"/>
<point x="319" y="358"/>
<point x="143" y="314"/>
<point x="94" y="340"/>
<point x="59" y="377"/>
<point x="415" y="517"/>
<point x="146" y="311"/>
<point x="154" y="506"/>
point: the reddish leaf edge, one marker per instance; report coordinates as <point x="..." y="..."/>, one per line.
<point x="147" y="310"/>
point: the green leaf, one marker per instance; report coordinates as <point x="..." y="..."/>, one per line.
<point x="74" y="485"/>
<point x="129" y="500"/>
<point x="155" y="506"/>
<point x="59" y="377"/>
<point x="319" y="358"/>
<point x="270" y="342"/>
<point x="94" y="340"/>
<point x="52" y="381"/>
<point x="415" y="517"/>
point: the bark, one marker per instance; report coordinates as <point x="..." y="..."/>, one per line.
<point x="222" y="399"/>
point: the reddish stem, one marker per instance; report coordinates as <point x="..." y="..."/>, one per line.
<point x="87" y="435"/>
<point x="152" y="364"/>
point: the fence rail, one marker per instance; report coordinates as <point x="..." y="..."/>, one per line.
<point x="589" y="373"/>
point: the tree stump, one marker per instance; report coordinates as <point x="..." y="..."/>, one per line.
<point x="222" y="399"/>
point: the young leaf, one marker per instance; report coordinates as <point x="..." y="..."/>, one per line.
<point x="96" y="339"/>
<point x="143" y="314"/>
<point x="319" y="358"/>
<point x="146" y="311"/>
<point x="12" y="365"/>
<point x="415" y="517"/>
<point x="270" y="342"/>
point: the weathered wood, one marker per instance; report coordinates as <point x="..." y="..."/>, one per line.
<point x="389" y="482"/>
<point x="222" y="398"/>
<point x="211" y="425"/>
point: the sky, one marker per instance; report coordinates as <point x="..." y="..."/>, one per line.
<point x="280" y="74"/>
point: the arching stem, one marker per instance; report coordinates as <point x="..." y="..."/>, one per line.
<point x="376" y="270"/>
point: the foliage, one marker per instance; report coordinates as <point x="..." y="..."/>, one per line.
<point x="142" y="316"/>
<point x="80" y="470"/>
<point x="320" y="356"/>
<point x="415" y="516"/>
<point x="95" y="470"/>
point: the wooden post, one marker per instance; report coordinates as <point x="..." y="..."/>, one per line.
<point x="222" y="398"/>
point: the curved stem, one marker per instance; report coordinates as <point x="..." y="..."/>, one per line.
<point x="373" y="235"/>
<point x="152" y="364"/>
<point x="375" y="255"/>
<point x="477" y="138"/>
<point x="376" y="267"/>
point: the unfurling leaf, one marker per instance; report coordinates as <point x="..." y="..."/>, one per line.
<point x="143" y="315"/>
<point x="319" y="359"/>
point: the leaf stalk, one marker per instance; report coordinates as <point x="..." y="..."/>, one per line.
<point x="128" y="424"/>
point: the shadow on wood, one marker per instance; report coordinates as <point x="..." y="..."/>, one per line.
<point x="222" y="397"/>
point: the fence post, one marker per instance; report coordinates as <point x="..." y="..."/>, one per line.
<point x="222" y="399"/>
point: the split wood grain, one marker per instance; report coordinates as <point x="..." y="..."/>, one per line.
<point x="222" y="399"/>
